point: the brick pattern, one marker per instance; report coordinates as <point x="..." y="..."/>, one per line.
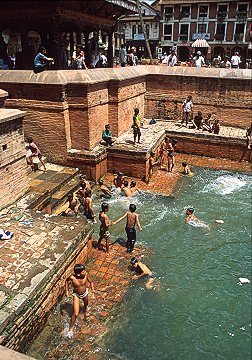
<point x="13" y="168"/>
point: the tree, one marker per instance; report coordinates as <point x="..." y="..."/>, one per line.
<point x="144" y="30"/>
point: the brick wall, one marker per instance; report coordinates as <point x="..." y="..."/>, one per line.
<point x="71" y="113"/>
<point x="13" y="167"/>
<point x="31" y="319"/>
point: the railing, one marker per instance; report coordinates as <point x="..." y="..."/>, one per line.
<point x="183" y="37"/>
<point x="239" y="38"/>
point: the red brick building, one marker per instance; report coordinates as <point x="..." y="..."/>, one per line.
<point x="226" y="25"/>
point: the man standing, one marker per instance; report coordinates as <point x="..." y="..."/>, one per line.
<point x="79" y="281"/>
<point x="104" y="227"/>
<point x="199" y="60"/>
<point x="172" y="59"/>
<point x="187" y="110"/>
<point x="122" y="55"/>
<point x="235" y="61"/>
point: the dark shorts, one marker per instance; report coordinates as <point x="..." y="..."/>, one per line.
<point x="88" y="215"/>
<point x="104" y="232"/>
<point x="131" y="233"/>
<point x="136" y="132"/>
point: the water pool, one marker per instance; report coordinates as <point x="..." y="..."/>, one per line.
<point x="199" y="310"/>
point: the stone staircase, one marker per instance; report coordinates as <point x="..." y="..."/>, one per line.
<point x="49" y="189"/>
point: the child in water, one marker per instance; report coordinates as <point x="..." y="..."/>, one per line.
<point x="186" y="169"/>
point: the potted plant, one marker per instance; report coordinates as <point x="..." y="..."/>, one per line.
<point x="241" y="16"/>
<point x="168" y="16"/>
<point x="239" y="38"/>
<point x="183" y="14"/>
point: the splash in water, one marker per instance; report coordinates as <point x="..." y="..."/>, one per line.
<point x="225" y="185"/>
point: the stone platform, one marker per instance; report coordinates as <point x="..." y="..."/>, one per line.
<point x="133" y="160"/>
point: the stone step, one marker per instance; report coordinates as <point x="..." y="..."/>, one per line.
<point x="45" y="185"/>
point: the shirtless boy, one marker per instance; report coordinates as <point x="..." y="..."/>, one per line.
<point x="132" y="220"/>
<point x="88" y="209"/>
<point x="133" y="187"/>
<point x="73" y="205"/>
<point x="105" y="191"/>
<point x="152" y="163"/>
<point x="118" y="180"/>
<point x="186" y="169"/>
<point x="190" y="216"/>
<point x="125" y="189"/>
<point x="80" y="291"/>
<point x="83" y="179"/>
<point x="104" y="227"/>
<point x="142" y="270"/>
<point x="171" y="155"/>
<point x="81" y="193"/>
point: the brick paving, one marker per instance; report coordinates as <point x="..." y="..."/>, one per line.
<point x="111" y="278"/>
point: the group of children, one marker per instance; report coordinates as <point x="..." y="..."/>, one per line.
<point x="210" y="123"/>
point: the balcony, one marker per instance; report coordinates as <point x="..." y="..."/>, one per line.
<point x="219" y="37"/>
<point x="183" y="37"/>
<point x="238" y="38"/>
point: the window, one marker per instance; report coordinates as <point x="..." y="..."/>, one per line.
<point x="220" y="32"/>
<point x="222" y="12"/>
<point x="140" y="29"/>
<point x="183" y="36"/>
<point x="167" y="32"/>
<point x="133" y="31"/>
<point x="203" y="11"/>
<point x="242" y="11"/>
<point x="168" y="13"/>
<point x="143" y="13"/>
<point x="239" y="32"/>
<point x="202" y="28"/>
<point x="184" y="12"/>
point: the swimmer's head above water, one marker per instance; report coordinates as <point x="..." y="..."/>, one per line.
<point x="100" y="182"/>
<point x="190" y="211"/>
<point x="184" y="164"/>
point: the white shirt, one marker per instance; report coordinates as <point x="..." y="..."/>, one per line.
<point x="199" y="61"/>
<point x="172" y="60"/>
<point x="235" y="60"/>
<point x="187" y="106"/>
<point x="165" y="59"/>
<point x="104" y="59"/>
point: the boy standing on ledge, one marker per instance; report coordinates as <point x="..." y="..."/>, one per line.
<point x="136" y="126"/>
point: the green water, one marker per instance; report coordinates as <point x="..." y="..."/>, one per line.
<point x="199" y="310"/>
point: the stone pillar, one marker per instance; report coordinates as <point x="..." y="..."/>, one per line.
<point x="78" y="36"/>
<point x="87" y="55"/>
<point x="27" y="59"/>
<point x="71" y="44"/>
<point x="110" y="48"/>
<point x="54" y="50"/>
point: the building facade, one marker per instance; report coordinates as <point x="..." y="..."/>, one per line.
<point x="133" y="32"/>
<point x="225" y="25"/>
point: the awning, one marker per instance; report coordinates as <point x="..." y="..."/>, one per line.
<point x="200" y="43"/>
